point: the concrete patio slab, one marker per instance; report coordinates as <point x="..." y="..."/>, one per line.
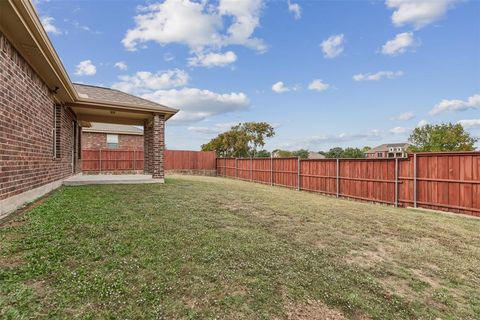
<point x="81" y="180"/>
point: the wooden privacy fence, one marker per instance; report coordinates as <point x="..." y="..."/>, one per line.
<point x="440" y="181"/>
<point x="108" y="160"/>
<point x="115" y="160"/>
<point x="190" y="160"/>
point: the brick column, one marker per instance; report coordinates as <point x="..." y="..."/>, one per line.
<point x="157" y="146"/>
<point x="147" y="138"/>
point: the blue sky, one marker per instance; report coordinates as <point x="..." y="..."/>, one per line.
<point x="325" y="73"/>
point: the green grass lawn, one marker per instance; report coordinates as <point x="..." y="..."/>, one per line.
<point x="201" y="247"/>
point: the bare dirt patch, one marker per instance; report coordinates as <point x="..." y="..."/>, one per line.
<point x="10" y="262"/>
<point x="38" y="287"/>
<point x="312" y="310"/>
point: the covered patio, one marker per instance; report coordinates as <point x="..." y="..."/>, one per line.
<point x="98" y="104"/>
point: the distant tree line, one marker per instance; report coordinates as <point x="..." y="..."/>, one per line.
<point x="248" y="140"/>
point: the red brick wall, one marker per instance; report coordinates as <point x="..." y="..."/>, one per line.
<point x="98" y="140"/>
<point x="26" y="128"/>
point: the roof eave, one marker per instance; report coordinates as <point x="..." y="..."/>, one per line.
<point x="167" y="111"/>
<point x="113" y="132"/>
<point x="56" y="77"/>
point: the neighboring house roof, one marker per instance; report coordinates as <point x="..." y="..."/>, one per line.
<point x="315" y="155"/>
<point x="114" y="128"/>
<point x="384" y="147"/>
<point x="89" y="92"/>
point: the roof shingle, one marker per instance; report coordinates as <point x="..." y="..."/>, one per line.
<point x="115" y="96"/>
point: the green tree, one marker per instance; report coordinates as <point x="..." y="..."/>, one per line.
<point x="242" y="140"/>
<point x="302" y="153"/>
<point x="263" y="154"/>
<point x="256" y="132"/>
<point x="441" y="137"/>
<point x="334" y="153"/>
<point x="353" y="153"/>
<point x="278" y="153"/>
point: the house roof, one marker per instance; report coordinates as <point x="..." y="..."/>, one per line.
<point x="114" y="128"/>
<point x="385" y="146"/>
<point x="90" y="92"/>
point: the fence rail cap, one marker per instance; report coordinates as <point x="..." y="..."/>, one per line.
<point x="449" y="153"/>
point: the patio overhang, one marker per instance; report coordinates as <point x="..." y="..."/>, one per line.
<point x="113" y="114"/>
<point x="106" y="105"/>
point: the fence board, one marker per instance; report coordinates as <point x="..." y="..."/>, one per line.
<point x="108" y="160"/>
<point x="444" y="181"/>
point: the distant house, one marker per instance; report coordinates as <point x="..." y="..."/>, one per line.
<point x="112" y="136"/>
<point x="315" y="155"/>
<point x="388" y="150"/>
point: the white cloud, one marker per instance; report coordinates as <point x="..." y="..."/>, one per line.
<point x="168" y="57"/>
<point x="198" y="25"/>
<point x="121" y="65"/>
<point x="196" y="104"/>
<point x="470" y="123"/>
<point x="82" y="27"/>
<point x="333" y="46"/>
<point x="377" y="76"/>
<point x="215" y="129"/>
<point x="422" y="123"/>
<point x="404" y="116"/>
<point x="213" y="59"/>
<point x="279" y="87"/>
<point x="374" y="134"/>
<point x="49" y="26"/>
<point x="144" y="81"/>
<point x="85" y="68"/>
<point x="318" y="85"/>
<point x="418" y="13"/>
<point x="295" y="9"/>
<point x="399" y="130"/>
<point x="246" y="18"/>
<point x="400" y="44"/>
<point x="455" y="105"/>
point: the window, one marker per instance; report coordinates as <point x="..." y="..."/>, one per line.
<point x="379" y="155"/>
<point x="112" y="141"/>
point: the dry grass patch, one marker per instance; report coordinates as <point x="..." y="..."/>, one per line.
<point x="312" y="310"/>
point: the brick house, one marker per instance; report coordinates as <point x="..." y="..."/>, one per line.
<point x="42" y="112"/>
<point x="388" y="150"/>
<point x="112" y="136"/>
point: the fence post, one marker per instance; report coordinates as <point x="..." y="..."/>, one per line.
<point x="271" y="170"/>
<point x="396" y="182"/>
<point x="251" y="169"/>
<point x="134" y="159"/>
<point x="100" y="161"/>
<point x="225" y="167"/>
<point x="414" y="180"/>
<point x="338" y="177"/>
<point x="298" y="174"/>
<point x="236" y="169"/>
